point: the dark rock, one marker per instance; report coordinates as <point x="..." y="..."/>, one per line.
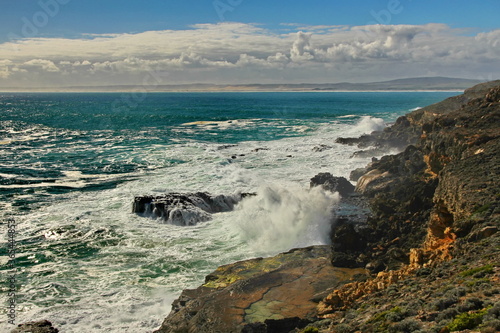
<point x="255" y="328"/>
<point x="256" y="150"/>
<point x="376" y="266"/>
<point x="226" y="147"/>
<point x="333" y="184"/>
<point x="43" y="326"/>
<point x="321" y="148"/>
<point x="483" y="233"/>
<point x="368" y="153"/>
<point x="346" y="238"/>
<point x="184" y="209"/>
<point x="356" y="174"/>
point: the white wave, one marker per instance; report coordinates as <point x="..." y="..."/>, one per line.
<point x="280" y="218"/>
<point x="208" y="124"/>
<point x="415" y="109"/>
<point x="369" y="124"/>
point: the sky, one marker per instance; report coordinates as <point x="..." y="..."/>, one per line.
<point x="57" y="43"/>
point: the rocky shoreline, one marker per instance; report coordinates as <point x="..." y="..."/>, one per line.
<point x="425" y="259"/>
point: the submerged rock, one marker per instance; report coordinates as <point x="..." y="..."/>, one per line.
<point x="185" y="209"/>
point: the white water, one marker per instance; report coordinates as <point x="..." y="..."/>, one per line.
<point x="128" y="287"/>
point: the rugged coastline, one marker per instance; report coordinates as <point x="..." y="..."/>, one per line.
<point x="425" y="259"/>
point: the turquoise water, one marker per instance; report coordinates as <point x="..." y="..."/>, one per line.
<point x="71" y="164"/>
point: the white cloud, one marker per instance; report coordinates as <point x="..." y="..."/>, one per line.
<point x="237" y="52"/>
<point x="43" y="64"/>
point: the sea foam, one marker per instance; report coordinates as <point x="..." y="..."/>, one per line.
<point x="283" y="217"/>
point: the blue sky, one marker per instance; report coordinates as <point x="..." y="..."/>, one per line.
<point x="125" y="16"/>
<point x="63" y="42"/>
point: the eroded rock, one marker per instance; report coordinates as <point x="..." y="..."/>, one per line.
<point x="275" y="294"/>
<point x="185" y="209"/>
<point x="332" y="184"/>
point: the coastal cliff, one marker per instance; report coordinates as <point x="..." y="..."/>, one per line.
<point x="426" y="259"/>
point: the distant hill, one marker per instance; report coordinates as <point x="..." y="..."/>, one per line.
<point x="421" y="83"/>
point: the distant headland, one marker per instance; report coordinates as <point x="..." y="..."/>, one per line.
<point x="406" y="84"/>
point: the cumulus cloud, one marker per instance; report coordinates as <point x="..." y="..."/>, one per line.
<point x="41" y="64"/>
<point x="237" y="52"/>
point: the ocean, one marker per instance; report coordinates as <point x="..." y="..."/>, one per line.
<point x="72" y="163"/>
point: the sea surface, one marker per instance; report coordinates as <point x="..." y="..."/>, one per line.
<point x="72" y="163"/>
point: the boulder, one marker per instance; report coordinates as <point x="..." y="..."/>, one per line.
<point x="42" y="326"/>
<point x="333" y="184"/>
<point x="185" y="209"/>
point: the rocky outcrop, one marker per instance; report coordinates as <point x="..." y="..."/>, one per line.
<point x="332" y="184"/>
<point x="275" y="294"/>
<point x="408" y="129"/>
<point x="43" y="326"/>
<point x="435" y="199"/>
<point x="185" y="209"/>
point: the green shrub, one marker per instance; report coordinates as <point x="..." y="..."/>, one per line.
<point x="467" y="320"/>
<point x="487" y="269"/>
<point x="310" y="330"/>
<point x="406" y="326"/>
<point x="483" y="209"/>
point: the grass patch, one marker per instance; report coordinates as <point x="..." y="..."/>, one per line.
<point x="468" y="320"/>
<point x="487" y="269"/>
<point x="483" y="209"/>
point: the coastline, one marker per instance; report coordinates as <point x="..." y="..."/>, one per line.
<point x="418" y="228"/>
<point x="331" y="302"/>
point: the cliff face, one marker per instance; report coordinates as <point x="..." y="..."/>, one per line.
<point x="436" y="202"/>
<point x="430" y="248"/>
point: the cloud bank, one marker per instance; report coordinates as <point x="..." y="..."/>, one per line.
<point x="249" y="53"/>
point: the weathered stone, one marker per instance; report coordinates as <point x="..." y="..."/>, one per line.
<point x="185" y="209"/>
<point x="43" y="326"/>
<point x="259" y="295"/>
<point x="333" y="184"/>
<point x="356" y="174"/>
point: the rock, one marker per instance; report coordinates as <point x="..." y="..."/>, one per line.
<point x="184" y="209"/>
<point x="321" y="148"/>
<point x="259" y="295"/>
<point x="483" y="233"/>
<point x="356" y="174"/>
<point x="277" y="325"/>
<point x="333" y="184"/>
<point x="346" y="238"/>
<point x="226" y="147"/>
<point x="43" y="326"/>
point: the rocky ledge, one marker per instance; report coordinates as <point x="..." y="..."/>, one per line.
<point x="275" y="294"/>
<point x="185" y="208"/>
<point x="425" y="260"/>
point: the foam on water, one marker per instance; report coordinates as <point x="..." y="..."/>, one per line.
<point x="88" y="264"/>
<point x="125" y="270"/>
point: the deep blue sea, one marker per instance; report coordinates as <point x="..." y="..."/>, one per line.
<point x="71" y="164"/>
